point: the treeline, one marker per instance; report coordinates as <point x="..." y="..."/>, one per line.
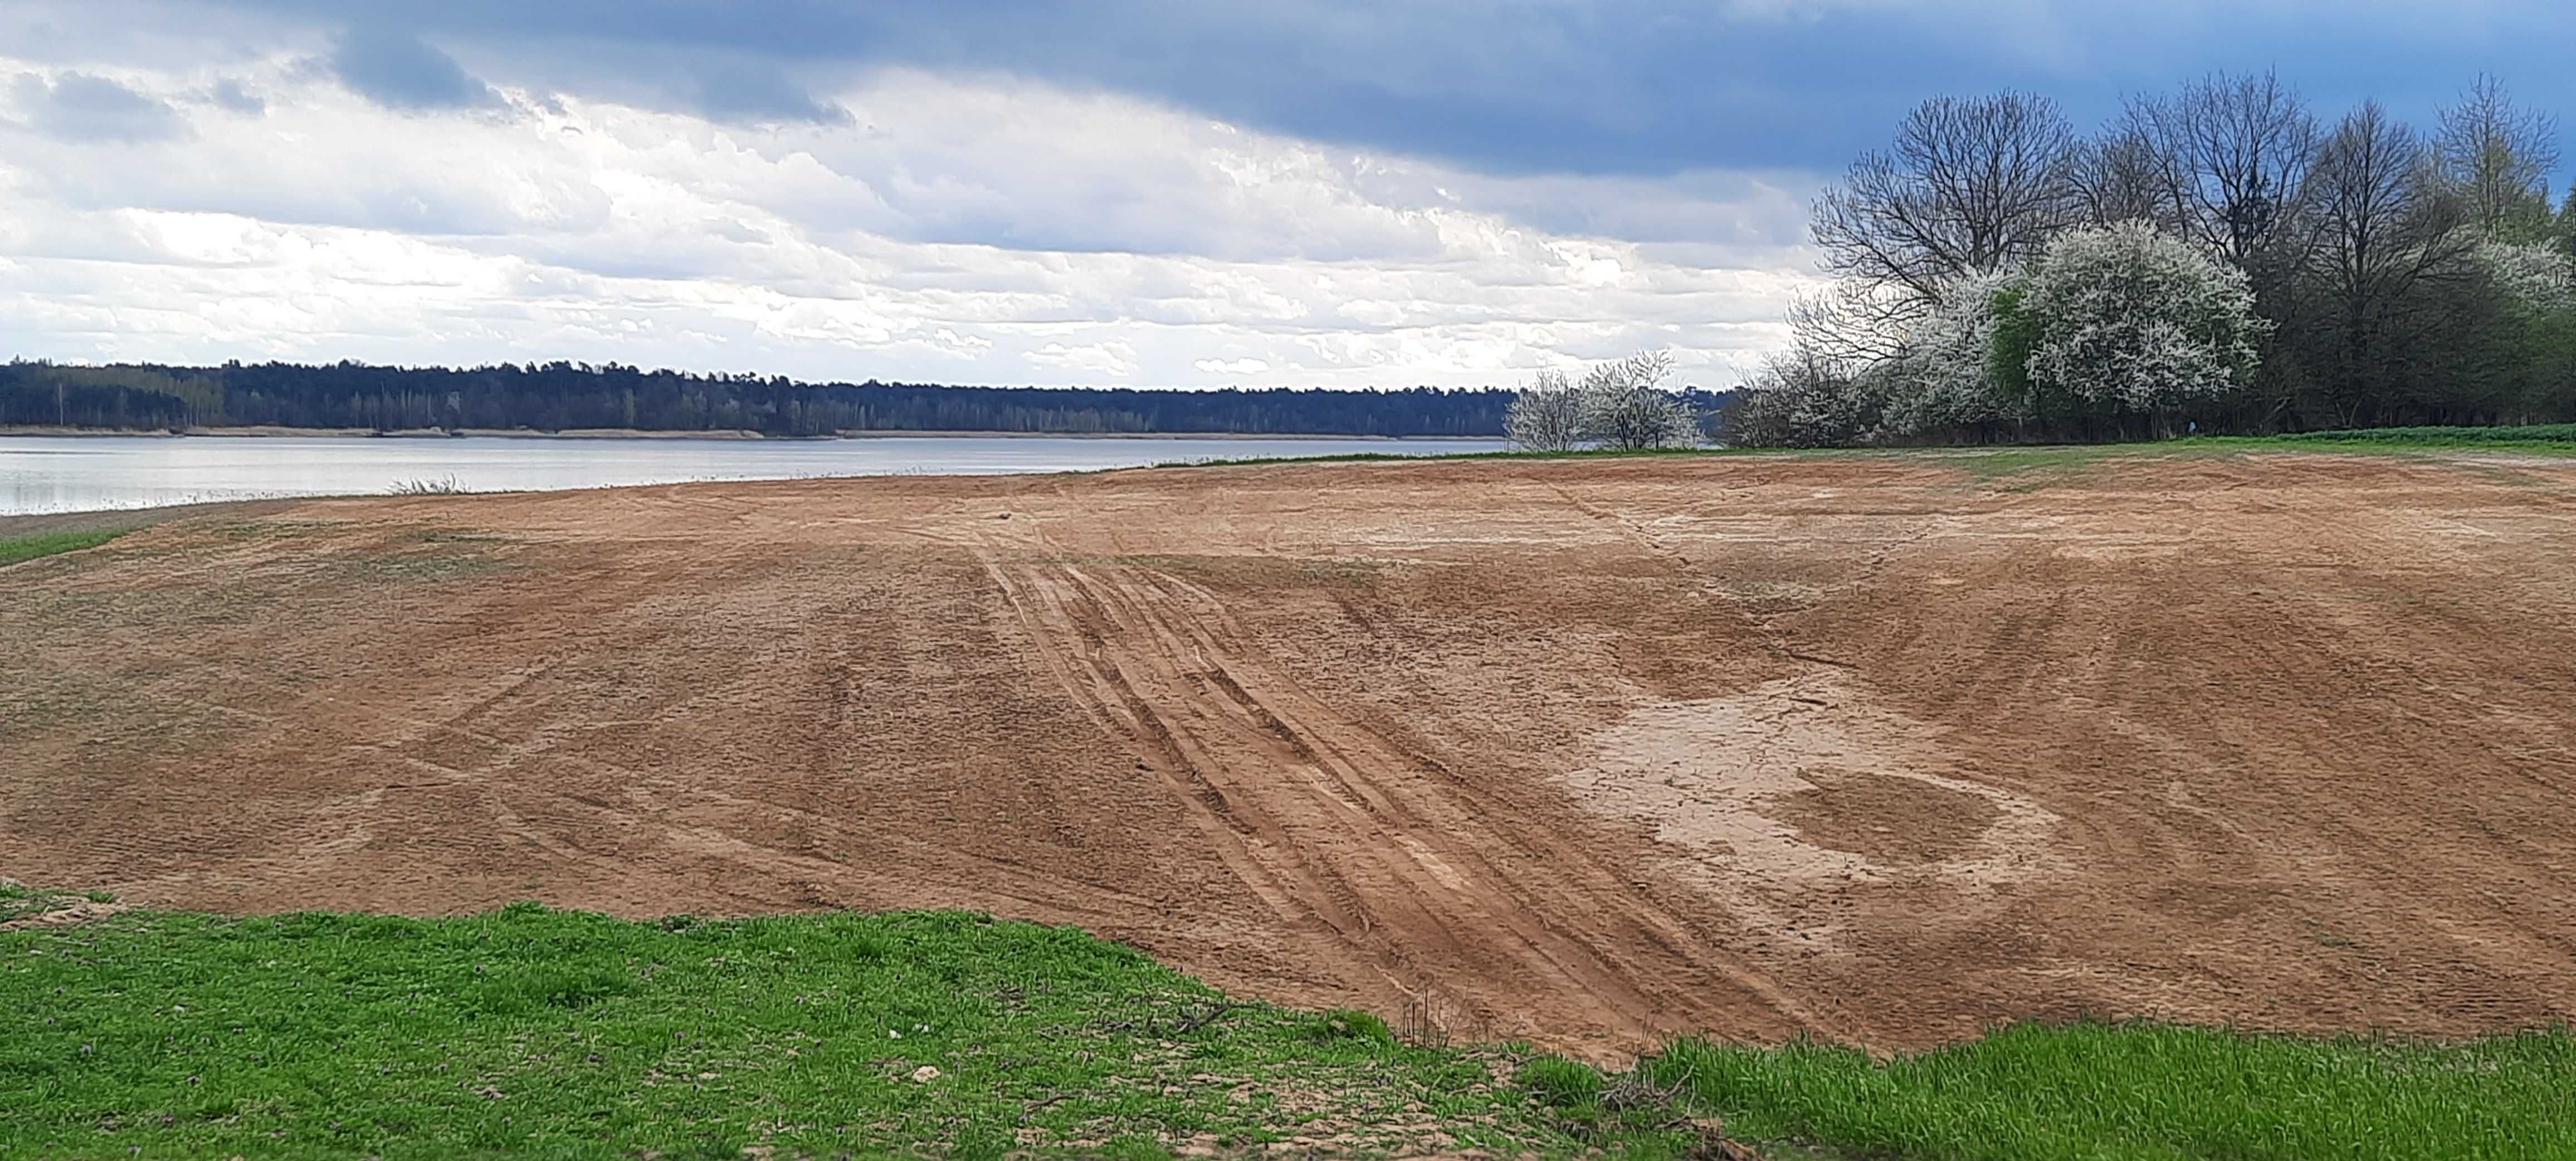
<point x="2216" y="259"/>
<point x="564" y="396"/>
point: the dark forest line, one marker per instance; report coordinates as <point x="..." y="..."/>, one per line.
<point x="563" y="396"/>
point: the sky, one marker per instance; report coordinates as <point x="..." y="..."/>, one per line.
<point x="1335" y="193"/>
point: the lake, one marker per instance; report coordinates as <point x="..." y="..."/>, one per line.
<point x="85" y="473"/>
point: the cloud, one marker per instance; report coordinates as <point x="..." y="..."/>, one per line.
<point x="322" y="155"/>
<point x="756" y="93"/>
<point x="229" y="95"/>
<point x="402" y="71"/>
<point x="1303" y="192"/>
<point x="957" y="228"/>
<point x="82" y="107"/>
<point x="1638" y="87"/>
<point x="1113" y="357"/>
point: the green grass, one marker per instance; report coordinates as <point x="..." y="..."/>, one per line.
<point x="1506" y="454"/>
<point x="2013" y="458"/>
<point x="18" y="548"/>
<point x="2538" y="433"/>
<point x="534" y="1033"/>
<point x="2136" y="1092"/>
<point x="528" y="1032"/>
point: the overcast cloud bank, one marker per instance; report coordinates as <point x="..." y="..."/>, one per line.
<point x="1301" y="193"/>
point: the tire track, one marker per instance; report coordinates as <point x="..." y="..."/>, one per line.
<point x="1417" y="893"/>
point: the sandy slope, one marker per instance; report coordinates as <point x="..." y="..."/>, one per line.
<point x="1880" y="747"/>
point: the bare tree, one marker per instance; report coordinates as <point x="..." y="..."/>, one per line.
<point x="1853" y="322"/>
<point x="2499" y="156"/>
<point x="2382" y="217"/>
<point x="2122" y="176"/>
<point x="2234" y="154"/>
<point x="2387" y="225"/>
<point x="1970" y="186"/>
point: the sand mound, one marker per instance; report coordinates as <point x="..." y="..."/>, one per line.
<point x="1882" y="748"/>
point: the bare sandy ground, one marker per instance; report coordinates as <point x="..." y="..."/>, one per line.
<point x="1882" y="748"/>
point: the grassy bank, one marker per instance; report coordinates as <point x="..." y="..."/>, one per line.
<point x="2552" y="438"/>
<point x="2120" y="1093"/>
<point x="2537" y="433"/>
<point x="528" y="1032"/>
<point x="1401" y="457"/>
<point x="17" y="548"/>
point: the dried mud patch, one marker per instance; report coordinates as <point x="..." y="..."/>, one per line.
<point x="1806" y="782"/>
<point x="1886" y="818"/>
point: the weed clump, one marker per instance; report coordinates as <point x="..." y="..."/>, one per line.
<point x="1351" y="1024"/>
<point x="1568" y="1086"/>
<point x="17" y="548"/>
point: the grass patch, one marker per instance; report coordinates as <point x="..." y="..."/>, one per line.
<point x="2536" y="433"/>
<point x="529" y="1032"/>
<point x="2109" y="1092"/>
<point x="1506" y="454"/>
<point x="17" y="548"/>
<point x="2001" y="460"/>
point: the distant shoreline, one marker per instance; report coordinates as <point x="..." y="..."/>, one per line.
<point x="254" y="432"/>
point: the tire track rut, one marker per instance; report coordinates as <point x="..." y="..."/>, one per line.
<point x="1404" y="886"/>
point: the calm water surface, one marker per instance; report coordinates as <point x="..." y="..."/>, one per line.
<point x="82" y="473"/>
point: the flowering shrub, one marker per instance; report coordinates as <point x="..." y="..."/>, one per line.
<point x="2138" y="320"/>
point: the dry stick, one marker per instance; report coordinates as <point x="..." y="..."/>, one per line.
<point x="1187" y="1025"/>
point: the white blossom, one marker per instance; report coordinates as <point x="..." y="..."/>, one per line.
<point x="1547" y="414"/>
<point x="2535" y="276"/>
<point x="2124" y="315"/>
<point x="1949" y="374"/>
<point x="1625" y="406"/>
